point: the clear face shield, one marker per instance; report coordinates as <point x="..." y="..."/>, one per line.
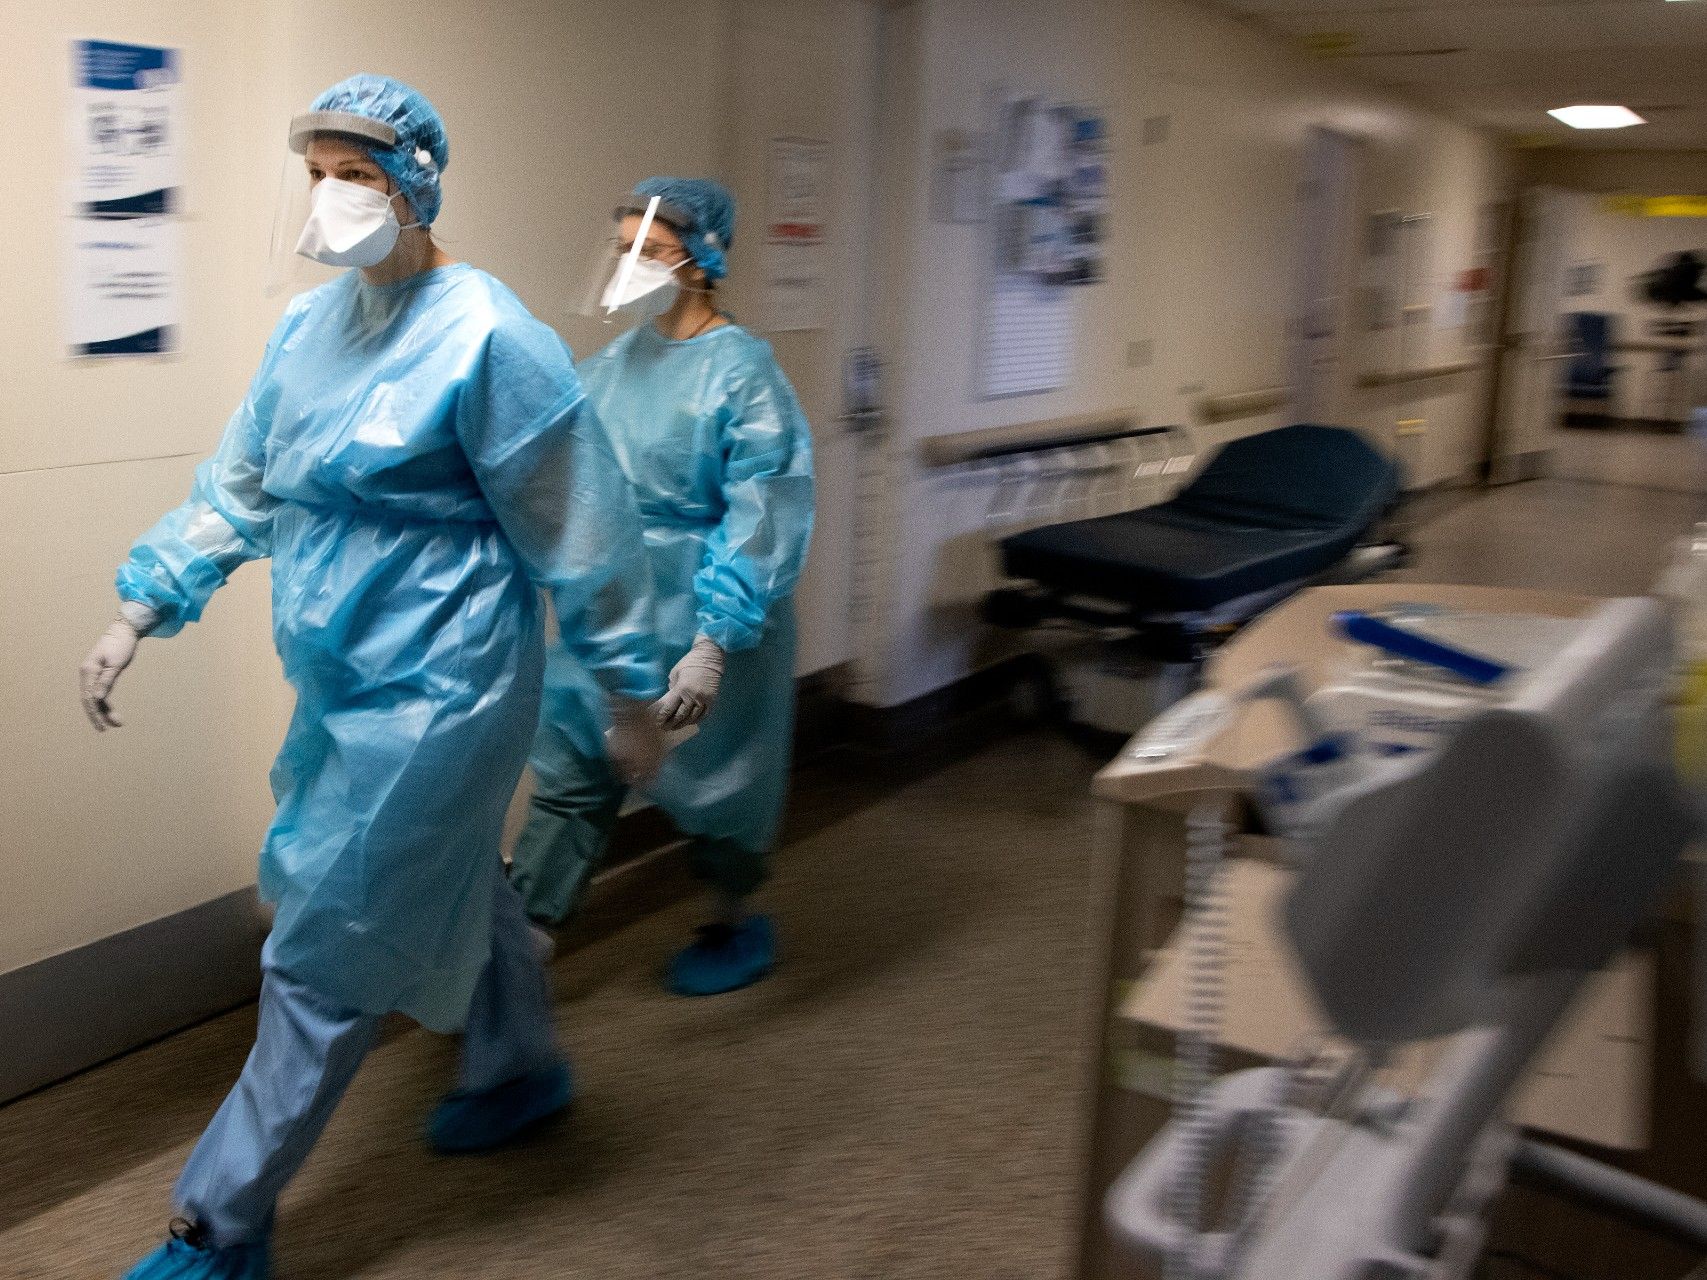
<point x="352" y="224"/>
<point x="638" y="267"/>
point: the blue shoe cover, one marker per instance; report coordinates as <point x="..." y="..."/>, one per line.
<point x="724" y="957"/>
<point x="177" y="1259"/>
<point x="467" y="1121"/>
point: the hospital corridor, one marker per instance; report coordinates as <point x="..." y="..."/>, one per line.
<point x="854" y="639"/>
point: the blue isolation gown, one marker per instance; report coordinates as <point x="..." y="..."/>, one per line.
<point x="711" y="435"/>
<point x="414" y="458"/>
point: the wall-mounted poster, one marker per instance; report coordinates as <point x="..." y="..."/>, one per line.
<point x="795" y="252"/>
<point x="1379" y="287"/>
<point x="123" y="287"/>
<point x="1047" y="228"/>
<point x="122" y="279"/>
<point x="1582" y="279"/>
<point x="958" y="177"/>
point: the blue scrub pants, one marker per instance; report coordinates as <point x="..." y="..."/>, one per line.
<point x="306" y="1052"/>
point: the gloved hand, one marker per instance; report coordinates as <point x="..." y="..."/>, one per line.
<point x="112" y="654"/>
<point x="634" y="742"/>
<point x="693" y="685"/>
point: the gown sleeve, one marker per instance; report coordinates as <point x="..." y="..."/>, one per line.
<point x="227" y="520"/>
<point x="547" y="470"/>
<point x="754" y="556"/>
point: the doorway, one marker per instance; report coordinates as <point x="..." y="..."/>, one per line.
<point x="1609" y="346"/>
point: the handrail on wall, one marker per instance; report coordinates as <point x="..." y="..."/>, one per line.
<point x="957" y="447"/>
<point x="1393" y="378"/>
<point x="1242" y="404"/>
<point x="1656" y="346"/>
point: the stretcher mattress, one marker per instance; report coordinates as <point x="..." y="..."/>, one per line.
<point x="1266" y="510"/>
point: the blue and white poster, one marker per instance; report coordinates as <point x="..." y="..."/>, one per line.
<point x="124" y="286"/>
<point x="127" y="146"/>
<point x="1048" y="205"/>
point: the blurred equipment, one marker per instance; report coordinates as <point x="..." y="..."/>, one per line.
<point x="1676" y="282"/>
<point x="1463" y="808"/>
<point x="1269" y="514"/>
<point x="1590" y="376"/>
<point x="1673" y="286"/>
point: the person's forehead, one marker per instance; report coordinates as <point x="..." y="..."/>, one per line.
<point x="658" y="233"/>
<point x="330" y="149"/>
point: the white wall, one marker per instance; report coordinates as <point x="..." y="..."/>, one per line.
<point x="1201" y="257"/>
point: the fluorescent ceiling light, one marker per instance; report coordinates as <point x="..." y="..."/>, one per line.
<point x="1596" y="117"/>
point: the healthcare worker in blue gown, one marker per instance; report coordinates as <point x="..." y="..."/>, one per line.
<point x="711" y="435"/>
<point x="415" y="455"/>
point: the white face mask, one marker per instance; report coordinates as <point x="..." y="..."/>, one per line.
<point x="349" y="225"/>
<point x="648" y="292"/>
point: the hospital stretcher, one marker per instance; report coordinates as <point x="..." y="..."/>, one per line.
<point x="1268" y="515"/>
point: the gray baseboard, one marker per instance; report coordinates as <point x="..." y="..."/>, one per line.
<point x="83" y="1006"/>
<point x="1530" y="465"/>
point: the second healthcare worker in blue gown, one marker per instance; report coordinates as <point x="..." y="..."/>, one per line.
<point x="415" y="454"/>
<point x="709" y="431"/>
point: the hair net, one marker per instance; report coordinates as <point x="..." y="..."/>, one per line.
<point x="422" y="150"/>
<point x="703" y="212"/>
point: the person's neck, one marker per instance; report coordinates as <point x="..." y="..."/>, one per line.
<point x="415" y="253"/>
<point x="689" y="315"/>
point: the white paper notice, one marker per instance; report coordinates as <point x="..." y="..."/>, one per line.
<point x="795" y="255"/>
<point x="122" y="279"/>
<point x="1452" y="310"/>
<point x="123" y="286"/>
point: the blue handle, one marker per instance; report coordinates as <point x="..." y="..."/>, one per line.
<point x="1365" y="629"/>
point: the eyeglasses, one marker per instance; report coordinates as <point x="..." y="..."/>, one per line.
<point x="653" y="250"/>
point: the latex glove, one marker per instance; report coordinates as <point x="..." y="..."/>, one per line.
<point x="693" y="685"/>
<point x="111" y="655"/>
<point x="634" y="741"/>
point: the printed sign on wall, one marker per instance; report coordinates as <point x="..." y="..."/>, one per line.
<point x="126" y="124"/>
<point x="795" y="252"/>
<point x="1048" y="207"/>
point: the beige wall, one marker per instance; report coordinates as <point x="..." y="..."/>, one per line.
<point x="550" y="119"/>
<point x="804" y="69"/>
<point x="1201" y="257"/>
<point x="98" y="833"/>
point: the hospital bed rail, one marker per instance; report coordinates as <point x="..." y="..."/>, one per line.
<point x="993" y="482"/>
